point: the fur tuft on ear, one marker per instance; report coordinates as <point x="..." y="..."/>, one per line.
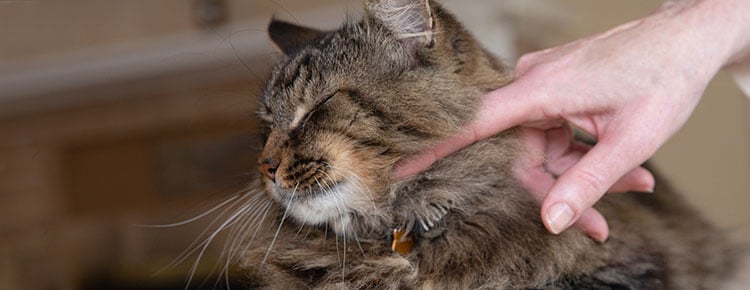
<point x="291" y="37"/>
<point x="411" y="20"/>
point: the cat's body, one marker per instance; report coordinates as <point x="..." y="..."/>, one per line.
<point x="343" y="107"/>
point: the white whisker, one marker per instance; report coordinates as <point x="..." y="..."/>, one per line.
<point x="338" y="254"/>
<point x="356" y="238"/>
<point x="286" y="212"/>
<point x="260" y="224"/>
<point x="233" y="245"/>
<point x="195" y="218"/>
<point x="343" y="262"/>
<point x="229" y="212"/>
<point x="301" y="226"/>
<point x="223" y="226"/>
<point x="249" y="216"/>
<point x="309" y="230"/>
<point x="197" y="243"/>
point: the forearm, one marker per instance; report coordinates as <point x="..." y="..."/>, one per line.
<point x="722" y="25"/>
<point x="727" y="24"/>
<point x="731" y="20"/>
<point x="741" y="13"/>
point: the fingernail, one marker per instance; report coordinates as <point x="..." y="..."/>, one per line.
<point x="559" y="217"/>
<point x="644" y="190"/>
<point x="597" y="236"/>
<point x="601" y="239"/>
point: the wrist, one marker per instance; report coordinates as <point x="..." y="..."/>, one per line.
<point x="722" y="26"/>
<point x="704" y="36"/>
<point x="737" y="13"/>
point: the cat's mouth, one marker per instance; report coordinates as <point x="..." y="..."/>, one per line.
<point x="318" y="205"/>
<point x="328" y="186"/>
<point x="300" y="191"/>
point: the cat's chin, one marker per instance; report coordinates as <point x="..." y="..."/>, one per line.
<point x="332" y="207"/>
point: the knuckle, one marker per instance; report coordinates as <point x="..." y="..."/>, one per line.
<point x="526" y="62"/>
<point x="525" y="59"/>
<point x="592" y="185"/>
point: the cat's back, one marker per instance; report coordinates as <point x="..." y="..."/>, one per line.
<point x="657" y="240"/>
<point x="692" y="252"/>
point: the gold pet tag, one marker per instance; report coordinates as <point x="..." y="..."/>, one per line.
<point x="402" y="242"/>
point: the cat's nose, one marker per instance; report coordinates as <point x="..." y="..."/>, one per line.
<point x="268" y="161"/>
<point x="268" y="168"/>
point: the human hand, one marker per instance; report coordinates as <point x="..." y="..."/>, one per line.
<point x="631" y="88"/>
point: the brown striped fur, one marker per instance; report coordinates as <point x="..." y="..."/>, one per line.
<point x="343" y="107"/>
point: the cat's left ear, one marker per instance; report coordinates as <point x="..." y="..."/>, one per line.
<point x="410" y="20"/>
<point x="289" y="37"/>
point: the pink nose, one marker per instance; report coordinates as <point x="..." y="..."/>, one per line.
<point x="268" y="168"/>
<point x="268" y="161"/>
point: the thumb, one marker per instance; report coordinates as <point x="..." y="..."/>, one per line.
<point x="582" y="185"/>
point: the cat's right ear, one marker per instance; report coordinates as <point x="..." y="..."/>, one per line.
<point x="289" y="37"/>
<point x="410" y="20"/>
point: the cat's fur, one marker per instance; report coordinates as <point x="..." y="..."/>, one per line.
<point x="343" y="107"/>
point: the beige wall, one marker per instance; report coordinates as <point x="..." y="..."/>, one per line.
<point x="37" y="28"/>
<point x="33" y="29"/>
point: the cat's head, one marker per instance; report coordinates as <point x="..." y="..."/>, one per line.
<point x="343" y="107"/>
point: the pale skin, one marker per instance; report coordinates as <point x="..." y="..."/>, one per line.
<point x="631" y="88"/>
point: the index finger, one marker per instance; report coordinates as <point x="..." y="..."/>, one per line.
<point x="500" y="110"/>
<point x="507" y="107"/>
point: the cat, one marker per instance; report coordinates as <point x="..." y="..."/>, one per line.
<point x="343" y="107"/>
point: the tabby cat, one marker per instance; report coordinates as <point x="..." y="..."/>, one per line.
<point x="343" y="107"/>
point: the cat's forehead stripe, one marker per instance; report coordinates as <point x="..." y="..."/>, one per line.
<point x="298" y="68"/>
<point x="299" y="114"/>
<point x="292" y="71"/>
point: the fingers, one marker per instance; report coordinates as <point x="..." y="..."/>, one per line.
<point x="501" y="109"/>
<point x="563" y="151"/>
<point x="593" y="224"/>
<point x="584" y="183"/>
<point x="638" y="179"/>
<point x="420" y="162"/>
<point x="533" y="177"/>
<point x="512" y="105"/>
<point x="538" y="182"/>
<point x="530" y="172"/>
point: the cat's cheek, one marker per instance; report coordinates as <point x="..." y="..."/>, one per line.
<point x="350" y="162"/>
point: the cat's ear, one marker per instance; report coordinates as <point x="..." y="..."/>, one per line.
<point x="291" y="37"/>
<point x="411" y="20"/>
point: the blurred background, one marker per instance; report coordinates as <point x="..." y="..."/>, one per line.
<point x="115" y="114"/>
